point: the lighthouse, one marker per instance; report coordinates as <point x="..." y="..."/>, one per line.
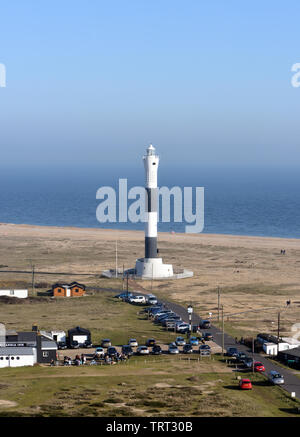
<point x="151" y="266"/>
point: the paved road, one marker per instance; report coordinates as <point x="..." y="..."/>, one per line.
<point x="292" y="381"/>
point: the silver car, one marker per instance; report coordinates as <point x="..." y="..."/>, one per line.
<point x="180" y="341"/>
<point x="275" y="377"/>
<point x="173" y="349"/>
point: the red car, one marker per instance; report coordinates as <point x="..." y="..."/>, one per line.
<point x="245" y="384"/>
<point x="259" y="367"/>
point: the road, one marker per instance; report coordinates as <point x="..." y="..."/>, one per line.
<point x="292" y="381"/>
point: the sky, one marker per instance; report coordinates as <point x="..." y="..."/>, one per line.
<point x="92" y="83"/>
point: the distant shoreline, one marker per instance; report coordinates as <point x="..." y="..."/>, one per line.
<point x="140" y="233"/>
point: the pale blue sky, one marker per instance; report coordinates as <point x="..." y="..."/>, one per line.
<point x="92" y="82"/>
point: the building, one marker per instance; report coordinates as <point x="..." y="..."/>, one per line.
<point x="58" y="336"/>
<point x="45" y="348"/>
<point x="290" y="357"/>
<point x="21" y="294"/>
<point x="68" y="290"/>
<point x="272" y="346"/>
<point x="79" y="334"/>
<point x="17" y="356"/>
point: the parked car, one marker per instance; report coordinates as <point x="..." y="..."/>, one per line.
<point x="173" y="349"/>
<point x="241" y="357"/>
<point x="132" y="342"/>
<point x="194" y="341"/>
<point x="151" y="299"/>
<point x="122" y="295"/>
<point x="208" y="336"/>
<point x="74" y="344"/>
<point x="62" y="345"/>
<point x="150" y="342"/>
<point x="87" y="344"/>
<point x="142" y="350"/>
<point x="245" y="384"/>
<point x="232" y="352"/>
<point x="195" y="328"/>
<point x="275" y="377"/>
<point x="112" y="351"/>
<point x="156" y="350"/>
<point x="205" y="324"/>
<point x="106" y="342"/>
<point x="127" y="350"/>
<point x="259" y="367"/>
<point x="187" y="349"/>
<point x="99" y="351"/>
<point x="248" y="362"/>
<point x="204" y="349"/>
<point x="137" y="299"/>
<point x="180" y="341"/>
<point x="182" y="326"/>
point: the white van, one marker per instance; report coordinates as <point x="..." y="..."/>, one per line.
<point x="137" y="299"/>
<point x="275" y="377"/>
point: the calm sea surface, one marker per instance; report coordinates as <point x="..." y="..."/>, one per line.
<point x="262" y="202"/>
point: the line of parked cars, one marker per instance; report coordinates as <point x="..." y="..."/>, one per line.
<point x="137" y="299"/>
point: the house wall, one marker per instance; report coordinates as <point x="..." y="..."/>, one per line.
<point x="17" y="360"/>
<point x="59" y="292"/>
<point x="77" y="291"/>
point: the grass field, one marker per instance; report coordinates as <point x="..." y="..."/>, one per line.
<point x="165" y="387"/>
<point x="160" y="386"/>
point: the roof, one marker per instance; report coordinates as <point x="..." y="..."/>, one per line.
<point x="16" y="351"/>
<point x="27" y="336"/>
<point x="71" y="285"/>
<point x="295" y="352"/>
<point x="78" y="330"/>
<point x="49" y="345"/>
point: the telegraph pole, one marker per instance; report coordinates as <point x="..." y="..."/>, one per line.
<point x="278" y="328"/>
<point x="222" y="307"/>
<point x="116" y="258"/>
<point x="218" y="305"/>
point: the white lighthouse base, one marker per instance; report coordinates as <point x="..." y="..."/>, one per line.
<point x="153" y="268"/>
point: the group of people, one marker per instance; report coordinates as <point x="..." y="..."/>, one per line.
<point x="79" y="360"/>
<point x="107" y="359"/>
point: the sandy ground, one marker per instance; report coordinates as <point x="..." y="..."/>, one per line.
<point x="254" y="278"/>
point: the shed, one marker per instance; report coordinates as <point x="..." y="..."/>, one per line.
<point x="270" y="348"/>
<point x="21" y="294"/>
<point x="79" y="334"/>
<point x="291" y="356"/>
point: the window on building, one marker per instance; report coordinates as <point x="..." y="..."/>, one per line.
<point x="76" y="289"/>
<point x="6" y="358"/>
<point x="1" y="358"/>
<point x="18" y="358"/>
<point x="45" y="354"/>
<point x="11" y="292"/>
<point x="12" y="358"/>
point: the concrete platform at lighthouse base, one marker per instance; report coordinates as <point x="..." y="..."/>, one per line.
<point x="154" y="268"/>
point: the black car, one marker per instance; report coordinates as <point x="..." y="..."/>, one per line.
<point x="112" y="351"/>
<point x="87" y="344"/>
<point x="62" y="345"/>
<point x="127" y="350"/>
<point x="187" y="349"/>
<point x="150" y="342"/>
<point x="208" y="336"/>
<point x="232" y="352"/>
<point x="241" y="356"/>
<point x="156" y="350"/>
<point x="74" y="344"/>
<point x="205" y="324"/>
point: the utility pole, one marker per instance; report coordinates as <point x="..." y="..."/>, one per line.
<point x="278" y="328"/>
<point x="32" y="278"/>
<point x="222" y="307"/>
<point x="152" y="279"/>
<point x="252" y="354"/>
<point x="127" y="284"/>
<point x="123" y="279"/>
<point x="218" y="305"/>
<point x="116" y="258"/>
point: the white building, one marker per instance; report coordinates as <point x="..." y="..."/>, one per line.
<point x="17" y="356"/>
<point x="58" y="336"/>
<point x="21" y="294"/>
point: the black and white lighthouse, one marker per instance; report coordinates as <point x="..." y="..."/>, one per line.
<point x="151" y="266"/>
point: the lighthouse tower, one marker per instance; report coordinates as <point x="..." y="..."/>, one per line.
<point x="151" y="266"/>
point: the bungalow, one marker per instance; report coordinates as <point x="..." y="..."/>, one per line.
<point x="290" y="357"/>
<point x="68" y="290"/>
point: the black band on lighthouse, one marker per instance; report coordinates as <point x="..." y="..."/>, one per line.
<point x="150" y="247"/>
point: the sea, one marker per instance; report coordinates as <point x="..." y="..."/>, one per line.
<point x="237" y="201"/>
